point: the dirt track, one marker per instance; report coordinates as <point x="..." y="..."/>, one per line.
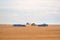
<point x="8" y="32"/>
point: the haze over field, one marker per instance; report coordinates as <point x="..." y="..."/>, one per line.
<point x="37" y="11"/>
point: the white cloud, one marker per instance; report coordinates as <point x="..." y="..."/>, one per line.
<point x="29" y="4"/>
<point x="28" y="10"/>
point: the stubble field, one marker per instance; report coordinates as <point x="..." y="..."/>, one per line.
<point x="51" y="32"/>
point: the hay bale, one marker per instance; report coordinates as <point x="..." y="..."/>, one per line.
<point x="33" y="24"/>
<point x="27" y="24"/>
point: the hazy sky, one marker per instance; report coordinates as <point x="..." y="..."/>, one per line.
<point x="32" y="11"/>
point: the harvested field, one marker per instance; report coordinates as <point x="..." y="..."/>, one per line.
<point x="51" y="32"/>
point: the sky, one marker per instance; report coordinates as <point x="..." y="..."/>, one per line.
<point x="32" y="11"/>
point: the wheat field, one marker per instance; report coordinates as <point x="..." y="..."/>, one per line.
<point x="9" y="32"/>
